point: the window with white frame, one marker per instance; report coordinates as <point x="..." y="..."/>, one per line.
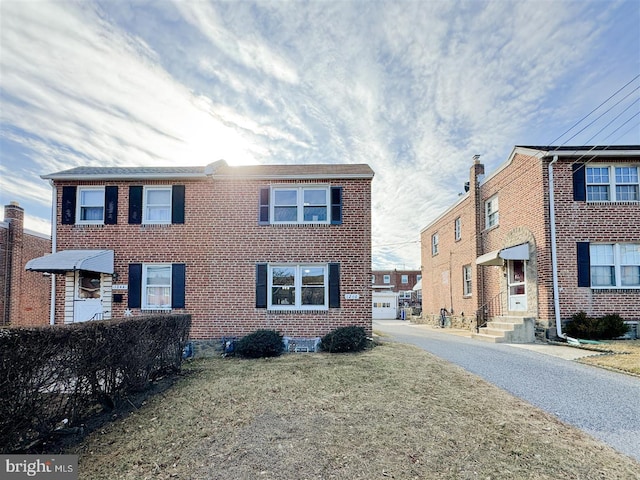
<point x="491" y="212"/>
<point x="157" y="205"/>
<point x="298" y="287"/>
<point x="90" y="205"/>
<point x="156" y="286"/>
<point x="404" y="279"/>
<point x="373" y="279"/>
<point x="608" y="183"/>
<point x="457" y="229"/>
<point x="466" y="280"/>
<point x="434" y="244"/>
<point x="615" y="265"/>
<point x="300" y="204"/>
<point x="386" y="279"/>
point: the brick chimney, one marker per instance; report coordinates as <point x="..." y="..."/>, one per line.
<point x="12" y="261"/>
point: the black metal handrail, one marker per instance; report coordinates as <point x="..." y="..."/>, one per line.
<point x="493" y="308"/>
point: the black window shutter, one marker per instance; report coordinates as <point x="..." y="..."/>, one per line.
<point x="334" y="285"/>
<point x="336" y="205"/>
<point x="178" y="283"/>
<point x="579" y="183"/>
<point x="135" y="204"/>
<point x="263" y="218"/>
<point x="135" y="285"/>
<point x="584" y="264"/>
<point x="261" y="285"/>
<point x="110" y="205"/>
<point x="177" y="204"/>
<point x="68" y="205"/>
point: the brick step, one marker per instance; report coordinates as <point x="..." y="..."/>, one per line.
<point x="501" y="326"/>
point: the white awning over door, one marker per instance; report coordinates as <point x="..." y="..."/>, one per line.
<point x="495" y="258"/>
<point x="100" y="261"/>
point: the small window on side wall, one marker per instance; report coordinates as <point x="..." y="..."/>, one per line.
<point x="435" y="244"/>
<point x="491" y="212"/>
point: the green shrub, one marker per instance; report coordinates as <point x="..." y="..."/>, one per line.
<point x="596" y="328"/>
<point x="344" y="339"/>
<point x="261" y="343"/>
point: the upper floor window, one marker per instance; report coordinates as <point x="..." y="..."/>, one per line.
<point x="373" y="279"/>
<point x="404" y="279"/>
<point x="434" y="244"/>
<point x="615" y="265"/>
<point x="418" y="278"/>
<point x="610" y="183"/>
<point x="90" y="205"/>
<point x="300" y="204"/>
<point x="157" y="205"/>
<point x="386" y="279"/>
<point x="457" y="228"/>
<point x="491" y="212"/>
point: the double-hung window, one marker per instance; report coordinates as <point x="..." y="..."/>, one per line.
<point x="157" y="205"/>
<point x="491" y="212"/>
<point x="434" y="244"/>
<point x="300" y="204"/>
<point x="612" y="183"/>
<point x="298" y="287"/>
<point x="615" y="265"/>
<point x="457" y="229"/>
<point x="404" y="279"/>
<point x="156" y="291"/>
<point x="90" y="205"/>
<point x="386" y="279"/>
<point x="466" y="280"/>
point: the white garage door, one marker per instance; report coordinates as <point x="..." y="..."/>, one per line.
<point x="385" y="306"/>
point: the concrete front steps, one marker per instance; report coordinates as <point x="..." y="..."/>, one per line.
<point x="508" y="330"/>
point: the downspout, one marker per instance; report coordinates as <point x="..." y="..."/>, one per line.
<point x="554" y="254"/>
<point x="54" y="202"/>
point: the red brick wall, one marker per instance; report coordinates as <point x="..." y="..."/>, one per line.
<point x="592" y="222"/>
<point x="26" y="296"/>
<point x="395" y="278"/>
<point x="221" y="242"/>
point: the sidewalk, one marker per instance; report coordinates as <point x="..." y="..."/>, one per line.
<point x="561" y="351"/>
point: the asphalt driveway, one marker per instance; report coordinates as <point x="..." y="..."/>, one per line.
<point x="604" y="404"/>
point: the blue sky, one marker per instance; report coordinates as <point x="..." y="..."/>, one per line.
<point x="413" y="88"/>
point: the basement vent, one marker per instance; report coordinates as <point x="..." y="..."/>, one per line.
<point x="301" y="344"/>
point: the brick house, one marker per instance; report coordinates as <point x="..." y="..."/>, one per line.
<point x="26" y="296"/>
<point x="393" y="289"/>
<point x="283" y="247"/>
<point x="553" y="231"/>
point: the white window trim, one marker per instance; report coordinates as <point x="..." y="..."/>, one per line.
<point x="145" y="305"/>
<point x="495" y="210"/>
<point x="435" y="240"/>
<point x="386" y="279"/>
<point x="298" y="286"/>
<point x="612" y="182"/>
<point x="79" y="206"/>
<point x="617" y="268"/>
<point x="457" y="229"/>
<point x="145" y="216"/>
<point x="300" y="203"/>
<point x="467" y="269"/>
<point x="404" y="279"/>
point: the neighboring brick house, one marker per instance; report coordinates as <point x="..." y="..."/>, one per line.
<point x="283" y="247"/>
<point x="393" y="289"/>
<point x="553" y="231"/>
<point x="25" y="298"/>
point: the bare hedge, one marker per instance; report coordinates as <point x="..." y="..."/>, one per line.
<point x="53" y="378"/>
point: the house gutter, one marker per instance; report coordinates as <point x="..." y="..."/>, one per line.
<point x="54" y="201"/>
<point x="554" y="254"/>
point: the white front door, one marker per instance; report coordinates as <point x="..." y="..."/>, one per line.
<point x="517" y="286"/>
<point x="87" y="304"/>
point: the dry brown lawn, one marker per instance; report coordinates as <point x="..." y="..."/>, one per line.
<point x="392" y="412"/>
<point x="621" y="355"/>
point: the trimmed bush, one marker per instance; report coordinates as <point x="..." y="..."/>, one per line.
<point x="596" y="328"/>
<point x="344" y="339"/>
<point x="261" y="343"/>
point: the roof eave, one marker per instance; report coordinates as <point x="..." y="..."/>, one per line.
<point x="321" y="176"/>
<point x="138" y="176"/>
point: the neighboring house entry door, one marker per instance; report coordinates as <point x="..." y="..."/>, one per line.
<point x="517" y="285"/>
<point x="87" y="302"/>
